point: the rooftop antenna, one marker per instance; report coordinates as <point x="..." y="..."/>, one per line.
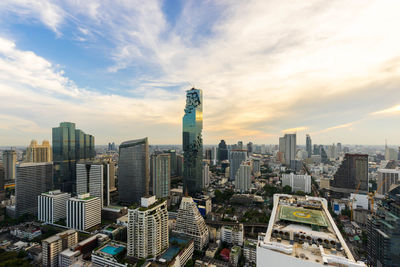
<point x="190" y="84"/>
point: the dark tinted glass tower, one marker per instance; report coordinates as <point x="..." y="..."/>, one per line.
<point x="222" y="151"/>
<point x="308" y="146"/>
<point x="192" y="141"/>
<point x="383" y="231"/>
<point x="352" y="174"/>
<point x="133" y="178"/>
<point x="69" y="146"/>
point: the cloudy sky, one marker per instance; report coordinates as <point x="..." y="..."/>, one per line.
<point x="119" y="69"/>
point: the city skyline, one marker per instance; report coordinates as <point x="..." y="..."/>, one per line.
<point x="123" y="74"/>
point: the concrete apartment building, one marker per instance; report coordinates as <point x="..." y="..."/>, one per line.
<point x="83" y="212"/>
<point x="54" y="245"/>
<point x="52" y="206"/>
<point x="191" y="224"/>
<point x="148" y="228"/>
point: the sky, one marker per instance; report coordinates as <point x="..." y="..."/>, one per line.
<point x="119" y="69"/>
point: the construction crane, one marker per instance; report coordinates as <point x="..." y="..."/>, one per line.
<point x="371" y="195"/>
<point x="352" y="200"/>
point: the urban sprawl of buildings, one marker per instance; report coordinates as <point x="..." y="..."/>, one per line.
<point x="67" y="202"/>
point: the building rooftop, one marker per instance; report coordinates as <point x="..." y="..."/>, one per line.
<point x="302" y="228"/>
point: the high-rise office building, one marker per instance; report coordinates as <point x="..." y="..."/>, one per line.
<point x="256" y="167"/>
<point x="39" y="153"/>
<point x="191" y="224"/>
<point x="287" y="145"/>
<point x="148" y="228"/>
<point x="240" y="145"/>
<point x="383" y="231"/>
<point x="96" y="178"/>
<point x="243" y="177"/>
<point x="133" y="166"/>
<point x="324" y="156"/>
<point x="160" y="169"/>
<point x="206" y="174"/>
<point x="52" y="206"/>
<point x="222" y="151"/>
<point x="193" y="141"/>
<point x="32" y="180"/>
<point x="83" y="212"/>
<point x="236" y="157"/>
<point x="54" y="245"/>
<point x="69" y="146"/>
<point x="387" y="178"/>
<point x="308" y="146"/>
<point x="173" y="161"/>
<point x="351" y="175"/>
<point x="339" y="148"/>
<point x="179" y="165"/>
<point x="298" y="235"/>
<point x="250" y="149"/>
<point x="9" y="162"/>
<point x="208" y="154"/>
<point x="2" y="182"/>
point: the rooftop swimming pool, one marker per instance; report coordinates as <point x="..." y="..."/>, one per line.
<point x="112" y="250"/>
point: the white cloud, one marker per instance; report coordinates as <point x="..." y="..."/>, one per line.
<point x="46" y="11"/>
<point x="264" y="65"/>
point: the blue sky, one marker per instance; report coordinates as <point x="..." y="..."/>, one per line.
<point x="119" y="69"/>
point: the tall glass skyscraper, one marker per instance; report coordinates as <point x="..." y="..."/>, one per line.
<point x="308" y="146"/>
<point x="193" y="141"/>
<point x="133" y="178"/>
<point x="69" y="146"/>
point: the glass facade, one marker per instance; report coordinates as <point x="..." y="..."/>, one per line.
<point x="192" y="141"/>
<point x="133" y="166"/>
<point x="69" y="146"/>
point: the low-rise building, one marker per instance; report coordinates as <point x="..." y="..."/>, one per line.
<point x="107" y="255"/>
<point x="55" y="244"/>
<point x="250" y="250"/>
<point x="232" y="234"/>
<point x="234" y="256"/>
<point x="68" y="257"/>
<point x="180" y="251"/>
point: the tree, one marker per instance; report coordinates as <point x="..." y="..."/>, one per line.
<point x="300" y="193"/>
<point x="190" y="263"/>
<point x="270" y="190"/>
<point x="287" y="189"/>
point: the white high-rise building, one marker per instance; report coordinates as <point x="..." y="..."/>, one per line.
<point x="148" y="228"/>
<point x="52" y="206"/>
<point x="89" y="179"/>
<point x="96" y="178"/>
<point x="297" y="182"/>
<point x="302" y="232"/>
<point x="243" y="177"/>
<point x="236" y="157"/>
<point x="191" y="224"/>
<point x="54" y="245"/>
<point x="206" y="175"/>
<point x="83" y="212"/>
